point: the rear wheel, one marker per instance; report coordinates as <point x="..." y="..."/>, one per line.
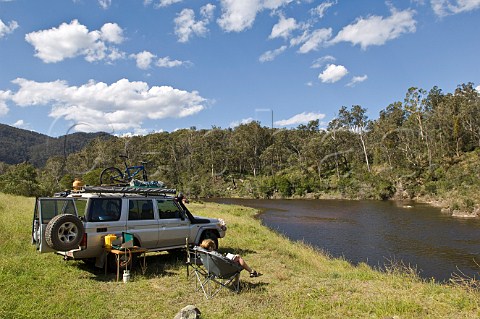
<point x="112" y="175"/>
<point x="64" y="232"/>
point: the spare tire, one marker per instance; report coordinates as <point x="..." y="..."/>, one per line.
<point x="64" y="232"/>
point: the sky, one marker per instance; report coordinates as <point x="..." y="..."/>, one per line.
<point x="134" y="67"/>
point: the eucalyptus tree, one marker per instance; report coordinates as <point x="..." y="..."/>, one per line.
<point x="469" y="100"/>
<point x="387" y="132"/>
<point x="417" y="109"/>
<point x="356" y="121"/>
<point x="249" y="141"/>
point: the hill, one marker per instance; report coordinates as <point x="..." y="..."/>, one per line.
<point x="19" y="145"/>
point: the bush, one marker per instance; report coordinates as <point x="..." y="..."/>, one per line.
<point x="265" y="186"/>
<point x="20" y="179"/>
<point x="284" y="187"/>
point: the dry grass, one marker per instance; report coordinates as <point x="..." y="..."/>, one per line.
<point x="298" y="281"/>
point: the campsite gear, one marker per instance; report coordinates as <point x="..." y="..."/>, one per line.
<point x="215" y="272"/>
<point x="109" y="239"/>
<point x="126" y="275"/>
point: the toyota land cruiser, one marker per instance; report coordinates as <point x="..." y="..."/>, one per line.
<point x="75" y="224"/>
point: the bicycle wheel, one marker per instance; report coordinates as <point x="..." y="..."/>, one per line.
<point x="111" y="175"/>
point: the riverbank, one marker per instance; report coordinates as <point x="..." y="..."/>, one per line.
<point x="298" y="282"/>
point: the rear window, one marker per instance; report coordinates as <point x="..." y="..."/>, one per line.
<point x="50" y="208"/>
<point x="104" y="209"/>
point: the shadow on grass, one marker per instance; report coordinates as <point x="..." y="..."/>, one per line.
<point x="257" y="286"/>
<point x="164" y="264"/>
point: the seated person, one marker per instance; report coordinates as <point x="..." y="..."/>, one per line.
<point x="210" y="246"/>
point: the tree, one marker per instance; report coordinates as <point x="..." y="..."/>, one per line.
<point x="20" y="179"/>
<point x="417" y="108"/>
<point x="356" y="121"/>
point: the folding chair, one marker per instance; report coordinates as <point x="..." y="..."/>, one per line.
<point x="216" y="272"/>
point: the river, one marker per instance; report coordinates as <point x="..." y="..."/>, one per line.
<point x="378" y="232"/>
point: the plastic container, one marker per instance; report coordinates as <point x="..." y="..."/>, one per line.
<point x="109" y="239"/>
<point x="126" y="275"/>
<point x="77" y="184"/>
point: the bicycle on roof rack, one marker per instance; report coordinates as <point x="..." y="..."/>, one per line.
<point x="113" y="175"/>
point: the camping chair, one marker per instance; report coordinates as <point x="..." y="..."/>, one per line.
<point x="215" y="273"/>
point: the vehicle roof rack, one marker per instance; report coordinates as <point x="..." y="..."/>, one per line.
<point x="129" y="190"/>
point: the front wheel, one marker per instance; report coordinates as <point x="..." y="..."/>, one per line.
<point x="111" y="175"/>
<point x="210" y="235"/>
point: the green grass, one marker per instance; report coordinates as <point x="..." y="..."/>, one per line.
<point x="298" y="282"/>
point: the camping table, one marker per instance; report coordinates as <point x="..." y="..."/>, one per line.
<point x="118" y="253"/>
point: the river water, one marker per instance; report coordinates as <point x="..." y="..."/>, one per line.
<point x="378" y="232"/>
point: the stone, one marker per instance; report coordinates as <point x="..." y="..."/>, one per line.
<point x="188" y="312"/>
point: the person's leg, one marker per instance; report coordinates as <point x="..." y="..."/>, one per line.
<point x="242" y="263"/>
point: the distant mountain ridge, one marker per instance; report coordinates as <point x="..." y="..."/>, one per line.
<point x="19" y="145"/>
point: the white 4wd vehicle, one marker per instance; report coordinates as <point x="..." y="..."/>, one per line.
<point x="75" y="225"/>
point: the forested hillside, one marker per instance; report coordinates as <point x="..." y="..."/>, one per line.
<point x="19" y="145"/>
<point x="426" y="146"/>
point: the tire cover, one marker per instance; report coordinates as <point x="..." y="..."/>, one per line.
<point x="64" y="232"/>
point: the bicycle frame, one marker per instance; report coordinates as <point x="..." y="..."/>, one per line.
<point x="132" y="171"/>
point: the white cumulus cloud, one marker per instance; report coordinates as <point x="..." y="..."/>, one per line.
<point x="145" y="59"/>
<point x="271" y="55"/>
<point x="376" y="30"/>
<point x="7" y="29"/>
<point x="322" y="8"/>
<point x="166" y="3"/>
<point x="357" y="79"/>
<point x="313" y="41"/>
<point x="333" y="73"/>
<point x="111" y="32"/>
<point x="302" y="118"/>
<point x="238" y="15"/>
<point x="320" y="62"/>
<point x="4" y="96"/>
<point x="73" y="39"/>
<point x="166" y="62"/>
<point x="97" y="106"/>
<point x="448" y="7"/>
<point x="22" y="124"/>
<point x="283" y="28"/>
<point x="186" y="25"/>
<point x="243" y="121"/>
<point x="105" y="4"/>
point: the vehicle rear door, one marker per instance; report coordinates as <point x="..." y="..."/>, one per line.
<point x="143" y="222"/>
<point x="174" y="226"/>
<point x="45" y="210"/>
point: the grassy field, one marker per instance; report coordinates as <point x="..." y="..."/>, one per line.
<point x="298" y="282"/>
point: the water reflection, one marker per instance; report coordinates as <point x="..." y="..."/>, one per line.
<point x="378" y="232"/>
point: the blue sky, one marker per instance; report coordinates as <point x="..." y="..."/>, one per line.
<point x="141" y="66"/>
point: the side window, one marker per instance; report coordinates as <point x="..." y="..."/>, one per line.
<point x="140" y="209"/>
<point x="104" y="209"/>
<point x="167" y="209"/>
<point x="81" y="206"/>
